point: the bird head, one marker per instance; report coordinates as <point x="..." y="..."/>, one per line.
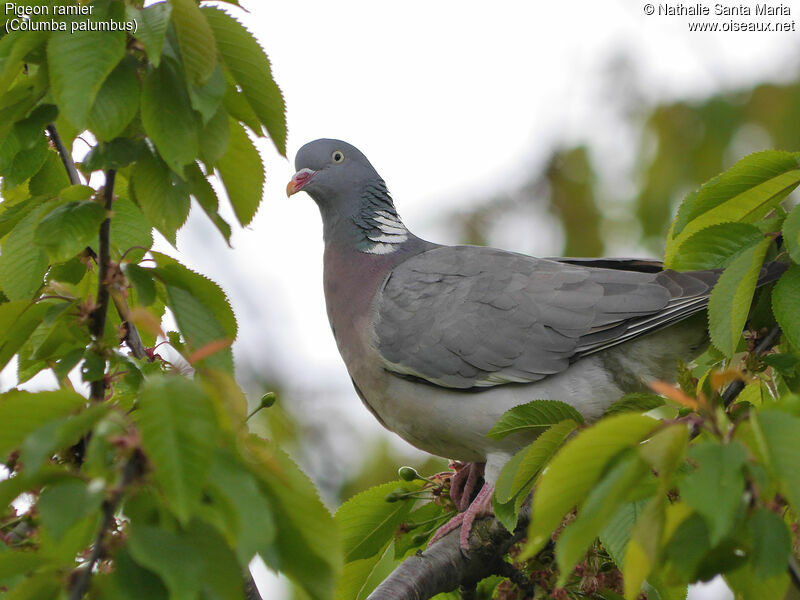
<point x="330" y="170"/>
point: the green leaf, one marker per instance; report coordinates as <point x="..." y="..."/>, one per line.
<point x="791" y="233"/>
<point x="250" y="68"/>
<point x="771" y="543"/>
<point x="19" y="563"/>
<point x="22" y="263"/>
<point x="778" y="437"/>
<point x="206" y="197"/>
<point x="747" y="586"/>
<point x="242" y="173"/>
<point x="64" y="503"/>
<point x="18" y="319"/>
<point x="116" y="154"/>
<point x="617" y="532"/>
<point x="639" y="402"/>
<point x="59" y="434"/>
<point x="22" y="413"/>
<point x="744" y="193"/>
<point x="517" y="475"/>
<point x="786" y="304"/>
<point x="534" y="415"/>
<point x="19" y="45"/>
<point x="51" y="178"/>
<point x="162" y="196"/>
<point x="664" y="452"/>
<point x="68" y="229"/>
<point x="715" y="488"/>
<point x="368" y="522"/>
<point x="201" y="308"/>
<point x="575" y="469"/>
<point x="78" y="64"/>
<point x="641" y="553"/>
<point x="715" y="246"/>
<point x="178" y="427"/>
<point x="214" y="138"/>
<point x="207" y="99"/>
<point x="142" y="281"/>
<point x="153" y="22"/>
<point x="173" y="556"/>
<point x="252" y="521"/>
<point x="730" y="299"/>
<point x="26" y="164"/>
<point x="168" y="117"/>
<point x="307" y="548"/>
<point x="129" y="227"/>
<point x="116" y="103"/>
<point x="195" y="39"/>
<point x="46" y="585"/>
<point x="129" y="581"/>
<point x="601" y="504"/>
<point x="28" y="129"/>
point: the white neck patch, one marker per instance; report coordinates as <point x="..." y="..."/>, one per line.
<point x="389" y="232"/>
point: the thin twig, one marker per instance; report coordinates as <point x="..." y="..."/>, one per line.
<point x="79" y="582"/>
<point x="735" y="388"/>
<point x="64" y="154"/>
<point x="98" y="323"/>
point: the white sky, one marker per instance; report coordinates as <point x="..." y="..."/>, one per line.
<point x="449" y="100"/>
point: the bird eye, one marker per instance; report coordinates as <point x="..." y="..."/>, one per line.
<point x="337" y="156"/>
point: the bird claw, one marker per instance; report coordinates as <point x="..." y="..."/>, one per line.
<point x="481" y="506"/>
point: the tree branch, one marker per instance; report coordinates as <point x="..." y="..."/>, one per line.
<point x="98" y="323"/>
<point x="64" y="154"/>
<point x="79" y="581"/>
<point x="735" y="387"/>
<point x="132" y="336"/>
<point x="443" y="567"/>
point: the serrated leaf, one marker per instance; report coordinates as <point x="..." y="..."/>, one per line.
<point x="252" y="521"/>
<point x="730" y="299"/>
<point x="368" y="522"/>
<point x="171" y="555"/>
<point x="63" y="503"/>
<point x="178" y="427"/>
<point x="116" y="103"/>
<point x="242" y="173"/>
<point x="307" y="548"/>
<point x="162" y="196"/>
<point x="576" y="468"/>
<point x="25" y="164"/>
<point x="250" y="68"/>
<point x="636" y="402"/>
<point x="642" y="551"/>
<point x="715" y="488"/>
<point x="791" y="233"/>
<point x="715" y="246"/>
<point x="202" y="191"/>
<point x="168" y="117"/>
<point x="201" y="309"/>
<point x="18" y="319"/>
<point x="22" y="413"/>
<point x="617" y="532"/>
<point x="51" y="178"/>
<point x="68" y="229"/>
<point x="116" y="154"/>
<point x="207" y="99"/>
<point x="195" y="39"/>
<point x="22" y="263"/>
<point x="778" y="436"/>
<point x="744" y="193"/>
<point x="153" y="22"/>
<point x="142" y="281"/>
<point x="786" y="304"/>
<point x="517" y="475"/>
<point x="78" y="64"/>
<point x="771" y="543"/>
<point x="605" y="498"/>
<point x="534" y="415"/>
<point x="214" y="138"/>
<point x="129" y="227"/>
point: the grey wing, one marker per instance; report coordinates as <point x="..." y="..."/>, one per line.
<point x="469" y="316"/>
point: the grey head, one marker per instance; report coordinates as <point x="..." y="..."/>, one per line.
<point x="355" y="204"/>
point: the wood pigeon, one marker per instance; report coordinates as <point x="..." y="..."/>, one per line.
<point x="440" y="341"/>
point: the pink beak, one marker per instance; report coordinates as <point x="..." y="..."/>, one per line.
<point x="299" y="181"/>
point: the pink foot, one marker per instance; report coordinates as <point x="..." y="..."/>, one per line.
<point x="480" y="507"/>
